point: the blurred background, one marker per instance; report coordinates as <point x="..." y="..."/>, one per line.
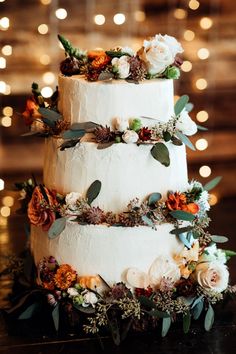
<point x="29" y="51"/>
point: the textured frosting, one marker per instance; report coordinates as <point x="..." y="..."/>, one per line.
<point x="126" y="171"/>
<point x="101" y="102"/>
<point x="107" y="251"/>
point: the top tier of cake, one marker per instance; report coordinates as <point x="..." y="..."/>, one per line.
<point x="101" y="102"/>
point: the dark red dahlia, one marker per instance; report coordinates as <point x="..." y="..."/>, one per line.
<point x="145" y="134"/>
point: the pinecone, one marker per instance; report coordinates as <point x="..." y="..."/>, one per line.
<point x="94" y="215"/>
<point x="138" y="69"/>
<point x="145" y="134"/>
<point x="110" y="218"/>
<point x="70" y="66"/>
<point x="130" y="219"/>
<point x="103" y="134"/>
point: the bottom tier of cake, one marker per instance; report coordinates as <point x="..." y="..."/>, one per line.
<point x="107" y="251"/>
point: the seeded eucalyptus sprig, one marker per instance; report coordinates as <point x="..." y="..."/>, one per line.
<point x="70" y="50"/>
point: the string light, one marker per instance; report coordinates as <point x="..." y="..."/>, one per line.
<point x="180" y="14"/>
<point x="6" y="122"/>
<point x="205" y="171"/>
<point x="46" y="91"/>
<point x="213" y="199"/>
<point x="186" y="66"/>
<point x="201" y="84"/>
<point x="99" y="19"/>
<point x="8" y="201"/>
<point x="202" y="116"/>
<point x="48" y="78"/>
<point x="203" y="53"/>
<point x="7" y="50"/>
<point x="206" y="23"/>
<point x="1" y="184"/>
<point x="3" y="63"/>
<point x="7" y="111"/>
<point x="5" y="211"/>
<point x="119" y="19"/>
<point x="201" y="144"/>
<point x="4" y="23"/>
<point x="61" y="13"/>
<point x="45" y="59"/>
<point x="43" y="28"/>
<point x="189" y="35"/>
<point x="193" y="4"/>
<point x="139" y="16"/>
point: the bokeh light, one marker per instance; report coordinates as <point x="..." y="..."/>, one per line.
<point x="213" y="199"/>
<point x="7" y="50"/>
<point x="7" y="111"/>
<point x="201" y="144"/>
<point x="6" y="122"/>
<point x="189" y="35"/>
<point x="99" y="19"/>
<point x="186" y="66"/>
<point x="46" y="91"/>
<point x="194" y="4"/>
<point x="139" y="16"/>
<point x="201" y="84"/>
<point x="61" y="13"/>
<point x="4" y="23"/>
<point x="45" y="59"/>
<point x="1" y="184"/>
<point x="46" y="2"/>
<point x="202" y="116"/>
<point x="8" y="201"/>
<point x="43" y="28"/>
<point x="5" y="211"/>
<point x="205" y="171"/>
<point x="49" y="78"/>
<point x="203" y="53"/>
<point x="3" y="63"/>
<point x="119" y="19"/>
<point x="206" y="23"/>
<point x="180" y="14"/>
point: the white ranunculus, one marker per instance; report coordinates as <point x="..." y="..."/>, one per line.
<point x="128" y="50"/>
<point x="122" y="66"/>
<point x="163" y="266"/>
<point x="71" y="200"/>
<point x="89" y="298"/>
<point x="212" y="253"/>
<point x="212" y="276"/>
<point x="121" y="124"/>
<point x="185" y="124"/>
<point x="72" y="292"/>
<point x="174" y="46"/>
<point x="130" y="136"/>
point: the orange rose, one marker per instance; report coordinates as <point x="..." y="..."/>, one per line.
<point x="39" y="210"/>
<point x="100" y="61"/>
<point x="65" y="277"/>
<point x="176" y="201"/>
<point x="31" y="111"/>
<point x="192" y="208"/>
<point x="93" y="54"/>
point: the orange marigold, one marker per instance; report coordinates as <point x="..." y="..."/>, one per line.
<point x="65" y="277"/>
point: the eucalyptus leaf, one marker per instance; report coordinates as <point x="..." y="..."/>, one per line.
<point x="153" y="198"/>
<point x="166" y="323"/>
<point x="104" y="76"/>
<point x="147" y="221"/>
<point x="105" y="145"/>
<point x="93" y="191"/>
<point x="84" y="126"/>
<point x="186" y="322"/>
<point x="184" y="240"/>
<point x="73" y="134"/>
<point x="69" y="144"/>
<point x="200" y="127"/>
<point x="146" y="302"/>
<point x="180" y="104"/>
<point x="181" y="230"/>
<point x="29" y="312"/>
<point x="49" y="114"/>
<point x="176" y="141"/>
<point x="48" y="122"/>
<point x="55" y="317"/>
<point x="209" y="318"/>
<point x="56" y="228"/>
<point x="212" y="184"/>
<point x="125" y="329"/>
<point x="88" y="310"/>
<point x="189" y="107"/>
<point x="116" y="53"/>
<point x="185" y="140"/>
<point x="158" y="314"/>
<point x="219" y="239"/>
<point x="229" y="253"/>
<point x="114" y="328"/>
<point x="197" y="309"/>
<point x="131" y="81"/>
<point x="167" y="136"/>
<point x="161" y="153"/>
<point x="182" y="215"/>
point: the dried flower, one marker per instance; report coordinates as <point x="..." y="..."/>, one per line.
<point x="103" y="134"/>
<point x="31" y="111"/>
<point x="94" y="215"/>
<point x="186" y="287"/>
<point x="65" y="277"/>
<point x="70" y="66"/>
<point x="138" y="69"/>
<point x="145" y="134"/>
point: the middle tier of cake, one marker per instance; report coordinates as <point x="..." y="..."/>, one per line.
<point x="126" y="171"/>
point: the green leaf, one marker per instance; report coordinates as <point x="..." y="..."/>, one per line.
<point x="93" y="191"/>
<point x="197" y="307"/>
<point x="229" y="253"/>
<point x="114" y="328"/>
<point x="166" y="323"/>
<point x="161" y="153"/>
<point x="153" y="198"/>
<point x="148" y="221"/>
<point x="49" y="114"/>
<point x="158" y="314"/>
<point x="116" y="53"/>
<point x="55" y="317"/>
<point x="28" y="313"/>
<point x="88" y="310"/>
<point x="186" y="322"/>
<point x="219" y="239"/>
<point x="181" y="230"/>
<point x="184" y="240"/>
<point x="50" y="123"/>
<point x="146" y="302"/>
<point x="84" y="126"/>
<point x="69" y="144"/>
<point x="200" y="127"/>
<point x="182" y="215"/>
<point x="209" y="318"/>
<point x="105" y="76"/>
<point x="185" y="140"/>
<point x="73" y="134"/>
<point x="57" y="227"/>
<point x="167" y="136"/>
<point x="180" y="104"/>
<point x="212" y="184"/>
<point x="189" y="107"/>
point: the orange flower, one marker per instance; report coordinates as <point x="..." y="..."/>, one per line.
<point x="93" y="54"/>
<point x="65" y="277"/>
<point x="39" y="210"/>
<point x="91" y="282"/>
<point x="176" y="201"/>
<point x="48" y="285"/>
<point x="31" y="111"/>
<point x="192" y="208"/>
<point x="100" y="61"/>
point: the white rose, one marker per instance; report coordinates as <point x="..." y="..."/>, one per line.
<point x="71" y="200"/>
<point x="72" y="292"/>
<point x="89" y="299"/>
<point x="122" y="66"/>
<point x="163" y="266"/>
<point x="157" y="56"/>
<point x="130" y="136"/>
<point x="185" y="124"/>
<point x="121" y="124"/>
<point x="212" y="253"/>
<point x="212" y="276"/>
<point x="174" y="46"/>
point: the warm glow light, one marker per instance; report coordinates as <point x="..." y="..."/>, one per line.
<point x="201" y="84"/>
<point x="6" y="122"/>
<point x="43" y="28"/>
<point x="61" y="14"/>
<point x="5" y="211"/>
<point x="8" y="201"/>
<point x="3" y="87"/>
<point x="7" y="50"/>
<point x="139" y="16"/>
<point x="205" y="171"/>
<point x="203" y="53"/>
<point x="7" y="90"/>
<point x="1" y="184"/>
<point x="2" y="0"/>
<point x="189" y="35"/>
<point x="46" y="2"/>
<point x="119" y="19"/>
<point x="201" y="144"/>
<point x="45" y="59"/>
<point x="48" y="78"/>
<point x="180" y="14"/>
<point x="186" y="66"/>
<point x="193" y="4"/>
<point x="3" y="63"/>
<point x="206" y="23"/>
<point x="46" y="91"/>
<point x="7" y="111"/>
<point x="4" y="23"/>
<point x="99" y="19"/>
<point x="213" y="199"/>
<point x="202" y="116"/>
